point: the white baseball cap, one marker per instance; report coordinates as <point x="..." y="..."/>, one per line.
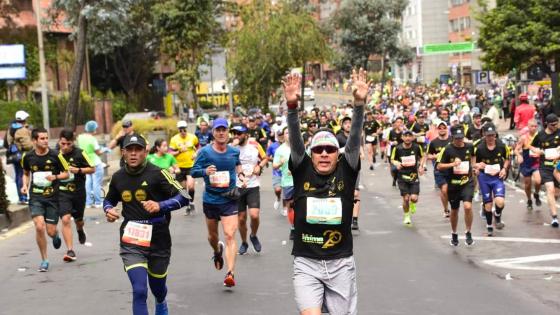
<point x="21" y="115"/>
<point x="181" y="124"/>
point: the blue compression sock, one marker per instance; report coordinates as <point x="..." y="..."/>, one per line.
<point x="158" y="288"/>
<point x="139" y="281"/>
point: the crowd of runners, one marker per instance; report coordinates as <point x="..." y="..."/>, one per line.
<point x="315" y="158"/>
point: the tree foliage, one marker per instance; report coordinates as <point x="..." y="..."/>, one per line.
<point x="370" y="27"/>
<point x="518" y="34"/>
<point x="271" y="40"/>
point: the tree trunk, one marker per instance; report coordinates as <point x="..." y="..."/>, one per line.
<point x="554" y="83"/>
<point x="382" y="73"/>
<point x="77" y="71"/>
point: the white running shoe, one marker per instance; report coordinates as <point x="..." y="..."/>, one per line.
<point x="285" y="212"/>
<point x="476" y="197"/>
<point x="276" y="204"/>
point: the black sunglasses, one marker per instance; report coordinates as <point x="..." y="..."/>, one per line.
<point x="182" y="129"/>
<point x="319" y="149"/>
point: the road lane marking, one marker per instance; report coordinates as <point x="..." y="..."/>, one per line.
<point x="19" y="230"/>
<point x="511" y="239"/>
<point x="520" y="263"/>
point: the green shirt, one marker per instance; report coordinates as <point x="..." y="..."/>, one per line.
<point x="283" y="153"/>
<point x="88" y="143"/>
<point x="164" y="162"/>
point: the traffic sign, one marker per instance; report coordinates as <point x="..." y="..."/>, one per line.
<point x="448" y="48"/>
<point x="12" y="55"/>
<point x="12" y="73"/>
<point x="483" y="77"/>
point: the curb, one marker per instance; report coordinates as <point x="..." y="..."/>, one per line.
<point x="15" y="216"/>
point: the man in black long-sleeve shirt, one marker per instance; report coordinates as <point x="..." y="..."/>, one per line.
<point x="324" y="185"/>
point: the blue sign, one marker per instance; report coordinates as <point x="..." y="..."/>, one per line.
<point x="12" y="55"/>
<point x="12" y="73"/>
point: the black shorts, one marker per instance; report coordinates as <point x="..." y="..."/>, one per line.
<point x="547" y="175"/>
<point x="249" y="198"/>
<point x="456" y="194"/>
<point x="47" y="208"/>
<point x="216" y="211"/>
<point x="182" y="176"/>
<point x="408" y="188"/>
<point x="155" y="261"/>
<point x="73" y="204"/>
<point x="374" y="142"/>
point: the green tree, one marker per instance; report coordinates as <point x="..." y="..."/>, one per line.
<point x="271" y="40"/>
<point x="518" y="34"/>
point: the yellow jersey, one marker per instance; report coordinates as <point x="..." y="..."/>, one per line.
<point x="187" y="148"/>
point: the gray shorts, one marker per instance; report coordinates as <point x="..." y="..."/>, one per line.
<point x="155" y="261"/>
<point x="327" y="284"/>
<point x="276" y="181"/>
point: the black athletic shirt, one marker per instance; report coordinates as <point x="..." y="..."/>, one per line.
<point x="435" y="147"/>
<point x="395" y="136"/>
<point x="420" y="128"/>
<point x="371" y="127"/>
<point x="545" y="141"/>
<point x="52" y="162"/>
<point x="341" y="138"/>
<point x="455" y="176"/>
<point x="496" y="156"/>
<point x="76" y="182"/>
<point x="408" y="173"/>
<point x="473" y="133"/>
<point x="152" y="183"/>
<point x="316" y="240"/>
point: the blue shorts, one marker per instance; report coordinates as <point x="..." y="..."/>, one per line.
<point x="276" y="181"/>
<point x="216" y="211"/>
<point x="288" y="192"/>
<point x="440" y="179"/>
<point x="527" y="170"/>
<point x="491" y="187"/>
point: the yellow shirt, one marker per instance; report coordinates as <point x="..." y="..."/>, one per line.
<point x="187" y="148"/>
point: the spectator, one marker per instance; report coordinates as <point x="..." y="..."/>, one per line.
<point x="88" y="143"/>
<point x="17" y="141"/>
<point x="524" y="112"/>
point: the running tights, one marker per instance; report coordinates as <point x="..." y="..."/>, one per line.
<point x="139" y="279"/>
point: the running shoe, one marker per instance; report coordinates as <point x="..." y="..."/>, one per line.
<point x="529" y="205"/>
<point x="218" y="258"/>
<point x="276" y="204"/>
<point x="70" y="256"/>
<point x="446" y="213"/>
<point x="229" y="281"/>
<point x="374" y="159"/>
<point x="82" y="236"/>
<point x="371" y="167"/>
<point x="482" y="214"/>
<point x="468" y="239"/>
<point x="256" y="243"/>
<point x="490" y="230"/>
<point x="355" y="226"/>
<point x="98" y="206"/>
<point x="454" y="240"/>
<point x="412" y="207"/>
<point x="285" y="212"/>
<point x="554" y="223"/>
<point x="407" y="220"/>
<point x="537" y="199"/>
<point x="193" y="209"/>
<point x="44" y="267"/>
<point x="292" y="234"/>
<point x="243" y="248"/>
<point x="56" y="241"/>
<point x="161" y="308"/>
<point x="498" y="222"/>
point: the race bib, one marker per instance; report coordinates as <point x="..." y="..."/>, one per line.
<point x="370" y="138"/>
<point x="137" y="234"/>
<point x="533" y="154"/>
<point x="462" y="169"/>
<point x="219" y="179"/>
<point x="408" y="161"/>
<point x="40" y="179"/>
<point x="492" y="169"/>
<point x="324" y="211"/>
<point x="69" y="179"/>
<point x="420" y="139"/>
<point x="551" y="154"/>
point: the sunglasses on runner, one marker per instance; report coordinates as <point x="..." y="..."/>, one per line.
<point x="182" y="129"/>
<point x="329" y="148"/>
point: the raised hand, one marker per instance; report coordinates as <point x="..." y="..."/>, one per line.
<point x="292" y="87"/>
<point x="360" y="86"/>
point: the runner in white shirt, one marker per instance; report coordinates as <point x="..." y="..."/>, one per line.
<point x="253" y="159"/>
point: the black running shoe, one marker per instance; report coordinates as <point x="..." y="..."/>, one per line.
<point x="371" y="167"/>
<point x="70" y="256"/>
<point x="218" y="258"/>
<point x="538" y="202"/>
<point x="56" y="241"/>
<point x="82" y="236"/>
<point x="454" y="240"/>
<point x="529" y="205"/>
<point x="256" y="243"/>
<point x="355" y="226"/>
<point x="490" y="230"/>
<point x="468" y="239"/>
<point x="292" y="234"/>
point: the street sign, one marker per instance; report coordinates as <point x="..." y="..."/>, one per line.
<point x="448" y="48"/>
<point x="483" y="77"/>
<point x="12" y="55"/>
<point x="12" y="73"/>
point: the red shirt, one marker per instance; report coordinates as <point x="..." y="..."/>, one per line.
<point x="524" y="113"/>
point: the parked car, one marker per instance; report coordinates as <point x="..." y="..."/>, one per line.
<point x="308" y="94"/>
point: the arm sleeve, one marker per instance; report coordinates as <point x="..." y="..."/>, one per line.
<point x="168" y="185"/>
<point x="352" y="148"/>
<point x="296" y="142"/>
<point x="174" y="203"/>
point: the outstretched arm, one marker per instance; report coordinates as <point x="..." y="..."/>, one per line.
<point x="360" y="90"/>
<point x="292" y="86"/>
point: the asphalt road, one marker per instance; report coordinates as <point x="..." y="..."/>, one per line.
<point x="400" y="270"/>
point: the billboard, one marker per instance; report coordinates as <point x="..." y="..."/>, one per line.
<point x="12" y="73"/>
<point x="12" y="55"/>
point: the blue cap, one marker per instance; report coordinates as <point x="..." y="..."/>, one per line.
<point x="90" y="126"/>
<point x="220" y="122"/>
<point x="239" y="128"/>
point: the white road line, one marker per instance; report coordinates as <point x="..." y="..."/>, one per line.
<point x="511" y="239"/>
<point x="520" y="263"/>
<point x="19" y="230"/>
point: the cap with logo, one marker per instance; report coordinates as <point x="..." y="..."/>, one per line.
<point x="134" y="139"/>
<point x="126" y="123"/>
<point x="457" y="132"/>
<point x="489" y="129"/>
<point x="323" y="138"/>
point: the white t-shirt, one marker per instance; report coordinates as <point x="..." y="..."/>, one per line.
<point x="275" y="128"/>
<point x="249" y="158"/>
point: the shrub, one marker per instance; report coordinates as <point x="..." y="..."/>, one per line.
<point x="145" y="126"/>
<point x="205" y="104"/>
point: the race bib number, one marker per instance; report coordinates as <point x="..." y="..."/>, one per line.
<point x="408" y="161"/>
<point x="420" y="139"/>
<point x="492" y="169"/>
<point x="324" y="211"/>
<point x="137" y="234"/>
<point x="533" y="154"/>
<point x="40" y="179"/>
<point x="461" y="169"/>
<point x="219" y="179"/>
<point x="551" y="154"/>
<point x="370" y="138"/>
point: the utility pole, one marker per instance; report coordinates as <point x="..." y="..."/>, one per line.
<point x="303" y="87"/>
<point x="43" y="74"/>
